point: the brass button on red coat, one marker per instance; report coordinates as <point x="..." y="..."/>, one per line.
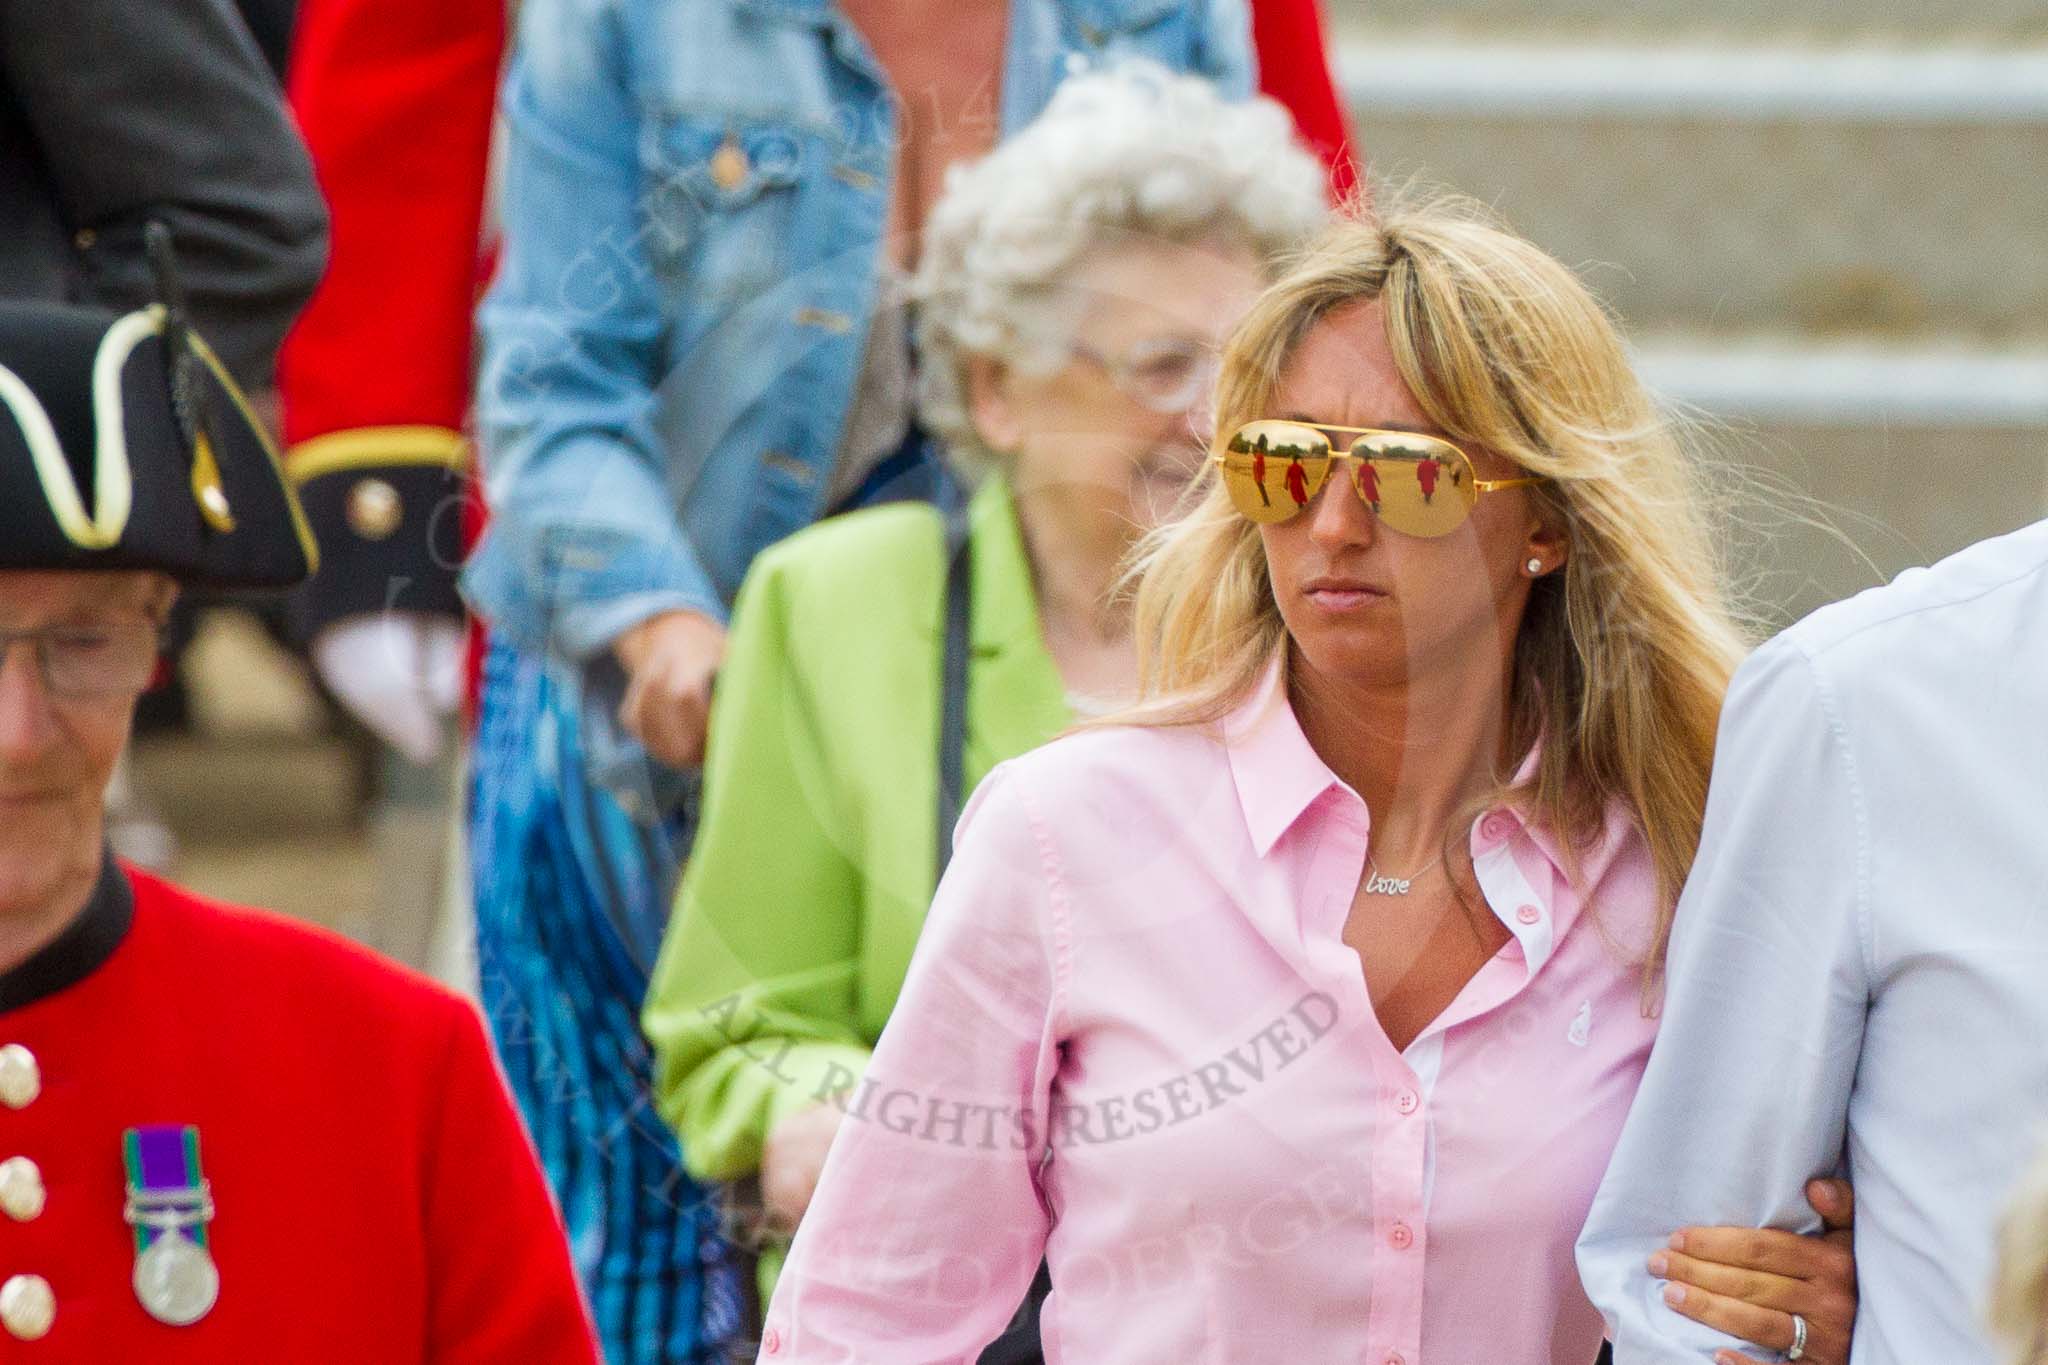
<point x="374" y="509"/>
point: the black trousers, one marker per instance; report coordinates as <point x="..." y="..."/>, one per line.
<point x="1018" y="1345"/>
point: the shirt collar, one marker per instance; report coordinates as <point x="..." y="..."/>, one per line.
<point x="1520" y="866"/>
<point x="1521" y="862"/>
<point x="1277" y="772"/>
<point x="81" y="949"/>
<point x="1616" y="829"/>
<point x="1279" y="775"/>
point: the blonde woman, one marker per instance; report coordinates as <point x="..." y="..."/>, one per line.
<point x="1293" y="1015"/>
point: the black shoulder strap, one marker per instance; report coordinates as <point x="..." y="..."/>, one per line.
<point x="953" y="674"/>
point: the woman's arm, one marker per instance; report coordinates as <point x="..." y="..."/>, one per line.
<point x="752" y="1006"/>
<point x="929" y="1220"/>
<point x="166" y="112"/>
<point x="584" y="540"/>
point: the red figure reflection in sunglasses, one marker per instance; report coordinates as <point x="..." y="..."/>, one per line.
<point x="1369" y="484"/>
<point x="1425" y="474"/>
<point x="1259" y="472"/>
<point x="1297" y="483"/>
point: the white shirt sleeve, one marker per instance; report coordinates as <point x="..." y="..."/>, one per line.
<point x="1747" y="1089"/>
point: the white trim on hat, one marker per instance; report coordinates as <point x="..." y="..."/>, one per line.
<point x="113" y="480"/>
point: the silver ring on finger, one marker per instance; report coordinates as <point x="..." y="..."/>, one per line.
<point x="1797" y="1350"/>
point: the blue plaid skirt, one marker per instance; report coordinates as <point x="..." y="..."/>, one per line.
<point x="571" y="895"/>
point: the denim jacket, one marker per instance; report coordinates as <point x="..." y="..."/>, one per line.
<point x="694" y="198"/>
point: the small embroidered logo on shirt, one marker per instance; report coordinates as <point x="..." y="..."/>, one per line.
<point x="1582" y="1025"/>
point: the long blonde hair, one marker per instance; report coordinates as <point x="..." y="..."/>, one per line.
<point x="1623" y="658"/>
<point x="2019" y="1294"/>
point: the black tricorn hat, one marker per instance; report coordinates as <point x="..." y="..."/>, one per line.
<point x="124" y="445"/>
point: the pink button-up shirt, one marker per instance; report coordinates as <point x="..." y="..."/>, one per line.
<point x="1133" y="1038"/>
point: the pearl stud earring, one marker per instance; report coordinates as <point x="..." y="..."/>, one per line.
<point x="1535" y="566"/>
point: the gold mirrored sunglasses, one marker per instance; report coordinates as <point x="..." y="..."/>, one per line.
<point x="1417" y="485"/>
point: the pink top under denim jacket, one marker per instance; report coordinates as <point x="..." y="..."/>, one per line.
<point x="1133" y="1039"/>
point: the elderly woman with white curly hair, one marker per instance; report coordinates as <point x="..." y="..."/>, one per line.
<point x="1075" y="285"/>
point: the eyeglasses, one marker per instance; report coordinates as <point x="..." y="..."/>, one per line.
<point x="79" y="662"/>
<point x="1167" y="374"/>
<point x="1417" y="485"/>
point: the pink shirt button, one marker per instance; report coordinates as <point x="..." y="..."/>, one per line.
<point x="1396" y="1358"/>
<point x="771" y="1341"/>
<point x="1528" y="914"/>
<point x="1400" y="1237"/>
<point x="1407" y="1101"/>
<point x="1496" y="827"/>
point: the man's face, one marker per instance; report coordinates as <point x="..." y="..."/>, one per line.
<point x="58" y="752"/>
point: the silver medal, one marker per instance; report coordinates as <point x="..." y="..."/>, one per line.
<point x="176" y="1279"/>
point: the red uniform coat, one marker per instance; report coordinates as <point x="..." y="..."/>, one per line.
<point x="377" y="1202"/>
<point x="1294" y="69"/>
<point x="395" y="101"/>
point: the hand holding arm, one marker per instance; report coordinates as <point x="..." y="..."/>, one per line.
<point x="1748" y="1282"/>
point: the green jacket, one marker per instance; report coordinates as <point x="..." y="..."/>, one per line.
<point x="813" y="865"/>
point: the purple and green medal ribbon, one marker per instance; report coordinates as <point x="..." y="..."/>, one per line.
<point x="163" y="1159"/>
